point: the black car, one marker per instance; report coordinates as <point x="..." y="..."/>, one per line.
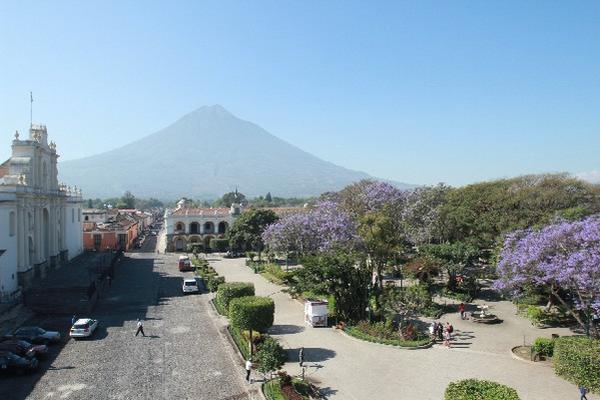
<point x="34" y="334"/>
<point x="23" y="348"/>
<point x="10" y="362"/>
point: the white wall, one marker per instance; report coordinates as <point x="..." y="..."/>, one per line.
<point x="8" y="260"/>
<point x="74" y="229"/>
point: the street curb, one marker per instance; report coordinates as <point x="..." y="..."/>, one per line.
<point x="427" y="346"/>
<point x="232" y="343"/>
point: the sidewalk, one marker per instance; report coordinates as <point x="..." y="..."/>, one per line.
<point x="351" y="369"/>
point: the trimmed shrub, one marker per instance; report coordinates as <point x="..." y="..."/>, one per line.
<point x="219" y="245"/>
<point x="543" y="346"/>
<point x="252" y="313"/>
<point x="475" y="389"/>
<point x="228" y="291"/>
<point x="214" y="282"/>
<point x="577" y="359"/>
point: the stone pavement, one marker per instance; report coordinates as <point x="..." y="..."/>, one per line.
<point x="346" y="368"/>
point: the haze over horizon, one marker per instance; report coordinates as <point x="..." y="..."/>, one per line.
<point x="414" y="92"/>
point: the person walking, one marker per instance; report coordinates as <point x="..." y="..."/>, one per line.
<point x="446" y="339"/>
<point x="582" y="392"/>
<point x="461" y="309"/>
<point x="449" y="329"/>
<point x="248" y="369"/>
<point x="440" y="331"/>
<point x="140" y="328"/>
<point x="301" y="356"/>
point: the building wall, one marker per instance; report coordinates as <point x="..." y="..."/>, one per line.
<point x="8" y="260"/>
<point x="74" y="229"/>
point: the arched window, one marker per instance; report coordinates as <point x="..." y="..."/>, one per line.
<point x="209" y="227"/>
<point x="179" y="226"/>
<point x="12" y="224"/>
<point x="222" y="227"/>
<point x="194" y="227"/>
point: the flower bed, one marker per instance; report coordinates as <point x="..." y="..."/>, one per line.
<point x="378" y="333"/>
<point x="475" y="389"/>
<point x="297" y="389"/>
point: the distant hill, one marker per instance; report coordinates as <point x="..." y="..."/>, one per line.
<point x="203" y="155"/>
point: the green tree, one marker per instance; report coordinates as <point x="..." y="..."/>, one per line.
<point x="341" y="274"/>
<point x="232" y="197"/>
<point x="252" y="313"/>
<point x="126" y="201"/>
<point x="456" y="258"/>
<point x="90" y="204"/>
<point x="268" y="197"/>
<point x="246" y="232"/>
<point x="270" y="356"/>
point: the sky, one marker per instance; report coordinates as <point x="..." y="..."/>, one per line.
<point x="419" y="92"/>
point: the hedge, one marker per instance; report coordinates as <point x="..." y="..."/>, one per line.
<point x="475" y="389"/>
<point x="228" y="291"/>
<point x="357" y="333"/>
<point x="577" y="359"/>
<point x="214" y="282"/>
<point x="543" y="346"/>
<point x="252" y="313"/>
<point x="219" y="245"/>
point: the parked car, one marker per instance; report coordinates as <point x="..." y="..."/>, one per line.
<point x="10" y="362"/>
<point x="35" y="335"/>
<point x="190" y="285"/>
<point x="83" y="327"/>
<point x="23" y="348"/>
<point x="185" y="264"/>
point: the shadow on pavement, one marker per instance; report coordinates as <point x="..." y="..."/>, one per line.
<point x="311" y="354"/>
<point x="135" y="287"/>
<point x="285" y="329"/>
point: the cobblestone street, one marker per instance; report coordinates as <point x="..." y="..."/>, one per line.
<point x="183" y="356"/>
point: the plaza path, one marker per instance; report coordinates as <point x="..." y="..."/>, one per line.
<point x="346" y="368"/>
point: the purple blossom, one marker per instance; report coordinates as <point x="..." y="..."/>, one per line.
<point x="565" y="255"/>
<point x="320" y="228"/>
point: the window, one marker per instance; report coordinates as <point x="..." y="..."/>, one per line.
<point x="12" y="224"/>
<point x="97" y="239"/>
<point x="122" y="239"/>
<point x="87" y="218"/>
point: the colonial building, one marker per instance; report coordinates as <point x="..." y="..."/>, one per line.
<point x="112" y="229"/>
<point x="186" y="225"/>
<point x="40" y="219"/>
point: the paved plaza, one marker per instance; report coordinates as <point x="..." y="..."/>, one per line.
<point x="347" y="368"/>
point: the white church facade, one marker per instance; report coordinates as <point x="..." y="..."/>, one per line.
<point x="40" y="219"/>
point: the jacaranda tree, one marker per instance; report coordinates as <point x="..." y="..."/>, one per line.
<point x="562" y="258"/>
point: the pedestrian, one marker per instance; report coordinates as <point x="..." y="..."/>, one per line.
<point x="461" y="309"/>
<point x="440" y="331"/>
<point x="432" y="330"/>
<point x="449" y="329"/>
<point x="301" y="356"/>
<point x="447" y="339"/>
<point x="248" y="369"/>
<point x="73" y="320"/>
<point x="140" y="328"/>
<point x="109" y="279"/>
<point x="582" y="392"/>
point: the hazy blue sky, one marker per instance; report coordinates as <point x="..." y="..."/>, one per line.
<point x="419" y="92"/>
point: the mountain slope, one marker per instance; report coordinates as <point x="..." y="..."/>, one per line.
<point x="203" y="155"/>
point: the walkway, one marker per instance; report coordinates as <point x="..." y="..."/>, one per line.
<point x="347" y="368"/>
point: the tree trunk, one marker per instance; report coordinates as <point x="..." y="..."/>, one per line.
<point x="564" y="303"/>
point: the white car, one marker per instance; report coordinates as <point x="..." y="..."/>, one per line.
<point x="190" y="285"/>
<point x="83" y="327"/>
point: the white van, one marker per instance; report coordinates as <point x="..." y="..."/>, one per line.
<point x="190" y="285"/>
